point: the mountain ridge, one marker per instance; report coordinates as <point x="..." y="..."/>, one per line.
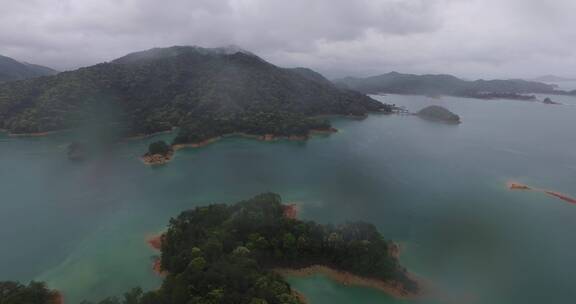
<point x="12" y="70"/>
<point x="444" y="84"/>
<point x="207" y="92"/>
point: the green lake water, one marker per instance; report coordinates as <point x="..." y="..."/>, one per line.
<point x="439" y="190"/>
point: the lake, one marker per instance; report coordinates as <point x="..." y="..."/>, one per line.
<point x="439" y="190"/>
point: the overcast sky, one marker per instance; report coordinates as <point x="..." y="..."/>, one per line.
<point x="469" y="38"/>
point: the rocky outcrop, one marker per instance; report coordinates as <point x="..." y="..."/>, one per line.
<point x="157" y="159"/>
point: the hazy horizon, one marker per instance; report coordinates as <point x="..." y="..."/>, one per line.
<point x="469" y="38"/>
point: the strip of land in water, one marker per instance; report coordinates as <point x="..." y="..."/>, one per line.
<point x="522" y="187"/>
<point x="265" y="137"/>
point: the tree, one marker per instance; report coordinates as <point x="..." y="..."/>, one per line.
<point x="159" y="147"/>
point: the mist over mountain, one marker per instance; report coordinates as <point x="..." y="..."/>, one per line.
<point x="397" y="83"/>
<point x="208" y="92"/>
<point x="11" y="70"/>
<point x="552" y="78"/>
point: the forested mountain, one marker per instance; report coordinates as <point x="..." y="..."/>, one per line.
<point x="11" y="70"/>
<point x="552" y="78"/>
<point x="207" y="92"/>
<point x="397" y="83"/>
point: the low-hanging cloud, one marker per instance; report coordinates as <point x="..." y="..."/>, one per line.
<point x="471" y="38"/>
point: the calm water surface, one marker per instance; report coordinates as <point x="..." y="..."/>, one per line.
<point x="437" y="189"/>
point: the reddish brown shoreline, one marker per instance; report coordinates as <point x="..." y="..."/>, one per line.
<point x="519" y="186"/>
<point x="38" y="134"/>
<point x="155" y="242"/>
<point x="394" y="289"/>
<point x="291" y="211"/>
<point x="561" y="196"/>
<point x="57" y="298"/>
<point x="157" y="159"/>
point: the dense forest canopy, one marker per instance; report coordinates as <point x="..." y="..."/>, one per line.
<point x="397" y="83"/>
<point x="159" y="147"/>
<point x="200" y="90"/>
<point x="33" y="293"/>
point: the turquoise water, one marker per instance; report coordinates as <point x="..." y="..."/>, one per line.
<point x="437" y="189"/>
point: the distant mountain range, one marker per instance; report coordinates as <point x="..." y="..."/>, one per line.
<point x="206" y="92"/>
<point x="552" y="78"/>
<point x="397" y="83"/>
<point x="11" y="70"/>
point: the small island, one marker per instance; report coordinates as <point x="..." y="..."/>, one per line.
<point x="438" y="113"/>
<point x="549" y="101"/>
<point x="159" y="153"/>
<point x="239" y="254"/>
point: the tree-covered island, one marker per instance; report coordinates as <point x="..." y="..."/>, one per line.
<point x="159" y="153"/>
<point x="236" y="254"/>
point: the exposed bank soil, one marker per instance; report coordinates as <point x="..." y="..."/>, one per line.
<point x="561" y="196"/>
<point x="155" y="242"/>
<point x="291" y="211"/>
<point x="394" y="289"/>
<point x="38" y="134"/>
<point x="558" y="195"/>
<point x="265" y="137"/>
<point x="301" y="297"/>
<point x="58" y="298"/>
<point x="157" y="267"/>
<point x="517" y="186"/>
<point x="157" y="159"/>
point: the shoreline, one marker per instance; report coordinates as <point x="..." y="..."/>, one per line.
<point x="157" y="159"/>
<point x="265" y="138"/>
<point x="58" y="297"/>
<point x="35" y="134"/>
<point x="291" y="211"/>
<point x="155" y="243"/>
<point x="511" y="185"/>
<point x="391" y="288"/>
<point x="146" y="136"/>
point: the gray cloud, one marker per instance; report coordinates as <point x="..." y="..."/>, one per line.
<point x="471" y="38"/>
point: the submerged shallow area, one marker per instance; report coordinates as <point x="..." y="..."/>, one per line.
<point x="439" y="190"/>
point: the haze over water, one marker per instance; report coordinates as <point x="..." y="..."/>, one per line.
<point x="439" y="190"/>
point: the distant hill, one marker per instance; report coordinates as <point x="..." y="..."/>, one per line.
<point x="397" y="83"/>
<point x="206" y="92"/>
<point x="552" y="78"/>
<point x="11" y="70"/>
